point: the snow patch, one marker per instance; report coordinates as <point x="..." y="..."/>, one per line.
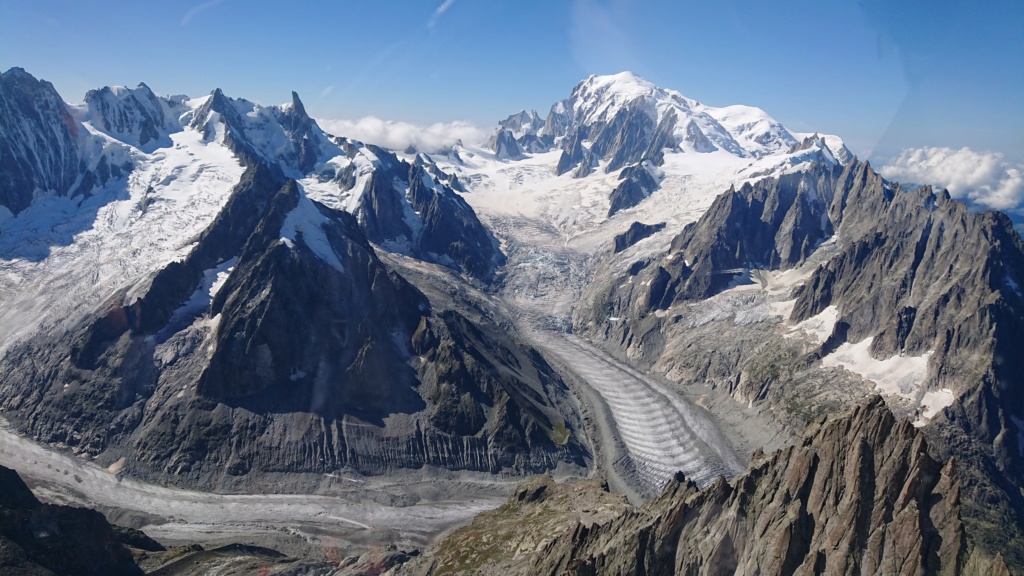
<point x="307" y="220"/>
<point x="897" y="376"/>
<point x="932" y="403"/>
<point x="213" y="280"/>
<point x="819" y="326"/>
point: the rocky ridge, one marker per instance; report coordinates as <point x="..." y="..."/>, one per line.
<point x="857" y="494"/>
<point x="407" y="207"/>
<point x="44" y="539"/>
<point x="906" y="273"/>
<point x="44" y="149"/>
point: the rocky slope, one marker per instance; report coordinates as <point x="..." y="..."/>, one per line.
<point x="857" y="494"/>
<point x="43" y="539"/>
<point x="898" y="274"/>
<point x="276" y="341"/>
<point x="301" y="353"/>
<point x="44" y="149"/>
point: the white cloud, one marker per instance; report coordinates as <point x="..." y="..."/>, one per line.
<point x="982" y="177"/>
<point x="437" y="13"/>
<point x="399" y="135"/>
<point x="198" y="9"/>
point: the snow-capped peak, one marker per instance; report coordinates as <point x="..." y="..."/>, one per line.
<point x="522" y="123"/>
<point x="135" y="116"/>
<point x="753" y="128"/>
<point x="598" y="98"/>
<point x="284" y="135"/>
<point x="611" y="121"/>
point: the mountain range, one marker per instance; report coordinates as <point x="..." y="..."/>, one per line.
<point x="693" y="303"/>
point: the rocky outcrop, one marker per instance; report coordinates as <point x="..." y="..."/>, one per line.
<point x="40" y="151"/>
<point x="450" y="228"/>
<point x="42" y="539"/>
<point x="636" y="183"/>
<point x="624" y="138"/>
<point x="505" y="540"/>
<point x="857" y="494"/>
<point x="637" y="231"/>
<point x="504" y="145"/>
<point x="925" y="273"/>
<point x="309" y="141"/>
<point x="773" y="223"/>
<point x="522" y="123"/>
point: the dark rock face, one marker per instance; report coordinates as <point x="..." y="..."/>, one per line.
<point x="312" y="356"/>
<point x="137" y="117"/>
<point x="698" y="139"/>
<point x="573" y="152"/>
<point x="776" y="223"/>
<point x="306" y="135"/>
<point x="773" y="223"/>
<point x="38" y="538"/>
<point x="450" y="227"/>
<point x="298" y="335"/>
<point x="463" y="386"/>
<point x="637" y="183"/>
<point x="39" y="141"/>
<point x="663" y="138"/>
<point x="637" y="232"/>
<point x="412" y="208"/>
<point x="630" y="136"/>
<point x="859" y="494"/>
<point x="505" y="146"/>
<point x="624" y="138"/>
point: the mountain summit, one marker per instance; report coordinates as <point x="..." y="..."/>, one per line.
<point x="622" y="119"/>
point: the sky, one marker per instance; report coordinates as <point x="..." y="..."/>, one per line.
<point x="893" y="78"/>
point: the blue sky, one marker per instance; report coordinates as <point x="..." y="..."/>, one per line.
<point x="884" y="75"/>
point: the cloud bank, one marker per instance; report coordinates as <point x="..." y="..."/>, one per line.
<point x="985" y="178"/>
<point x="400" y="135"/>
